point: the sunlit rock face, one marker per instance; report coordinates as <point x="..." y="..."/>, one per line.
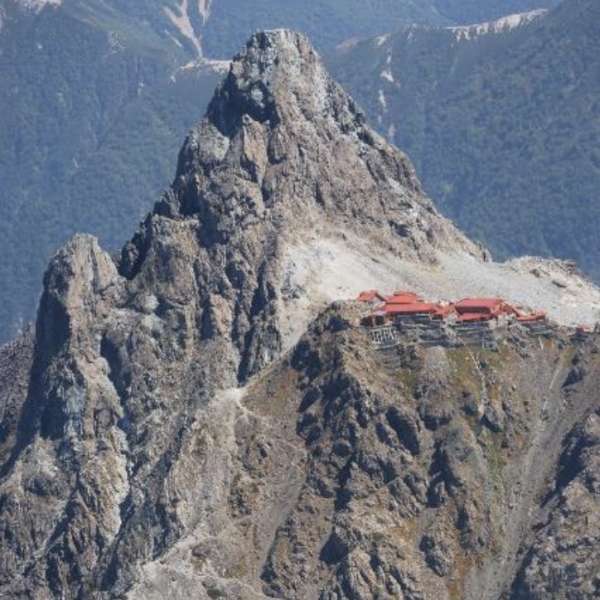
<point x="191" y="418"/>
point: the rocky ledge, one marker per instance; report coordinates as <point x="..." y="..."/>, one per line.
<point x="179" y="422"/>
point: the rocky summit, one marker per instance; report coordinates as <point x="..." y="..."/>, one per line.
<point x="197" y="419"/>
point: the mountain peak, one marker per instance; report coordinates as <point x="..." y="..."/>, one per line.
<point x="277" y="77"/>
<point x="144" y="402"/>
<point x="279" y="81"/>
<point x="278" y="69"/>
<point x="282" y="159"/>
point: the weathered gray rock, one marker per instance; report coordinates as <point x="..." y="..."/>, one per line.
<point x="563" y="561"/>
<point x="129" y="359"/>
<point x="173" y="428"/>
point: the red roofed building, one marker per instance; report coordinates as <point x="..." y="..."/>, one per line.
<point x="445" y="310"/>
<point x="419" y="309"/>
<point x="470" y="315"/>
<point x="476" y="317"/>
<point x="403" y="298"/>
<point x="478" y="305"/>
<point x="483" y="309"/>
<point x="532" y="318"/>
<point x="414" y="308"/>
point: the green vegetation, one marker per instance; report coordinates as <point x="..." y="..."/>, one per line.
<point x="93" y="109"/>
<point x="503" y="129"/>
<point x="90" y="127"/>
<point x="464" y="369"/>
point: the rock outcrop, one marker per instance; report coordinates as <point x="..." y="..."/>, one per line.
<point x="180" y="423"/>
<point x="283" y="157"/>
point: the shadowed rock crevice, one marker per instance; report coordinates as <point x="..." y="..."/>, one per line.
<point x="203" y="420"/>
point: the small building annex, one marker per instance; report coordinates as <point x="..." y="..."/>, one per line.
<point x="473" y="310"/>
<point x="402" y="306"/>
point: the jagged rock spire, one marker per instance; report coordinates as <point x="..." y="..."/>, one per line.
<point x="132" y="435"/>
<point x="283" y="156"/>
<point x="278" y="80"/>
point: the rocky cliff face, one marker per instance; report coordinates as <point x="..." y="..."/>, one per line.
<point x="172" y="426"/>
<point x="132" y="66"/>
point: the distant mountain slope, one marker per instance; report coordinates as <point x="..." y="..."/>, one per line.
<point x="328" y="22"/>
<point x="473" y="11"/>
<point x="94" y="103"/>
<point x="503" y="127"/>
<point x="197" y="419"/>
<point x="90" y="120"/>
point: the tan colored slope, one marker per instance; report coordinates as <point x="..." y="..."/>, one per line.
<point x="427" y="476"/>
<point x="324" y="269"/>
<point x="132" y="468"/>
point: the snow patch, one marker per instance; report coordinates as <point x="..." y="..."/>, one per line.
<point x="387" y="75"/>
<point x="218" y="66"/>
<point x="37" y="5"/>
<point x="387" y="72"/>
<point x="175" y="40"/>
<point x="184" y="25"/>
<point x="347" y="45"/>
<point x="382" y="101"/>
<point x="200" y="66"/>
<point x="204" y="7"/>
<point x="508" y="23"/>
<point x="382" y="39"/>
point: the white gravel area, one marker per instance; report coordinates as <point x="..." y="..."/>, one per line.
<point x="320" y="271"/>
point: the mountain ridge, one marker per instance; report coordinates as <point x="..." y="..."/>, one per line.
<point x="196" y="417"/>
<point x="113" y="80"/>
<point x="500" y="25"/>
<point x="500" y="127"/>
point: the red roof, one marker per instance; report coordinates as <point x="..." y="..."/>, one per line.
<point x="403" y="298"/>
<point x="478" y="303"/>
<point x="488" y="306"/>
<point x="474" y="317"/>
<point x="414" y="308"/>
<point x="536" y="316"/>
<point x="468" y="309"/>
